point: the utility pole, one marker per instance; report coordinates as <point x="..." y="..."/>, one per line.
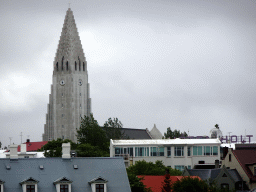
<point x="21" y="137"/>
<point x="10" y="140"/>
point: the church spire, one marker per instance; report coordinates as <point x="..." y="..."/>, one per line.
<point x="70" y="48"/>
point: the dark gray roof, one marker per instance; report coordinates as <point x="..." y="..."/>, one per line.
<point x="136" y="133"/>
<point x="111" y="169"/>
<point x="234" y="174"/>
<point x="206" y="174"/>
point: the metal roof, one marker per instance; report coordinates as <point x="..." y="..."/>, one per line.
<point x="112" y="169"/>
<point x="166" y="142"/>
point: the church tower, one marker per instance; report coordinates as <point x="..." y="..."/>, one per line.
<point x="69" y="99"/>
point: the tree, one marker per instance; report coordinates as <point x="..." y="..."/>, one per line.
<point x="87" y="150"/>
<point x="54" y="148"/>
<point x="136" y="184"/>
<point x="0" y="144"/>
<point x="149" y="168"/>
<point x="91" y="133"/>
<point x="217" y="126"/>
<point x="191" y="185"/>
<point x="166" y="185"/>
<point x="112" y="128"/>
<point x="174" y="134"/>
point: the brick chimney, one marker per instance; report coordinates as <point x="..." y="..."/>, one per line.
<point x="66" y="151"/>
<point x="13" y="151"/>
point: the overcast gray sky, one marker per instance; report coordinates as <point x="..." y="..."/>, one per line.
<point x="184" y="64"/>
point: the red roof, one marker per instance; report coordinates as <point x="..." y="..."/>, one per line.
<point x="246" y="157"/>
<point x="34" y="146"/>
<point x="155" y="181"/>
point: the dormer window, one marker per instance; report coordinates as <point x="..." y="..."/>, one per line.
<point x="63" y="184"/>
<point x="29" y="185"/>
<point x="99" y="184"/>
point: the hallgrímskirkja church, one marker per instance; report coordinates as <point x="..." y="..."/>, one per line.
<point x="70" y="92"/>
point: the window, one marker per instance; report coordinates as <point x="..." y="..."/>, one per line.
<point x="67" y="65"/>
<point x="224" y="186"/>
<point x="80" y="94"/>
<point x="83" y="66"/>
<point x="207" y="150"/>
<point x="120" y="151"/>
<point x="62" y="126"/>
<point x="189" y="166"/>
<point x="229" y="157"/>
<point x="63" y="188"/>
<point x="197" y="150"/>
<point x="30" y="188"/>
<point x="62" y="105"/>
<point x="157" y="151"/>
<point x="179" y="151"/>
<point x="189" y="151"/>
<point x="62" y="115"/>
<point x="179" y="167"/>
<point x="62" y="63"/>
<point x="141" y="151"/>
<point x="254" y="171"/>
<point x="99" y="187"/>
<point x="80" y="106"/>
<point x="215" y="150"/>
<point x="210" y="150"/>
<point x="57" y="66"/>
<point x="169" y="152"/>
<point x="62" y="94"/>
<point x="75" y="65"/>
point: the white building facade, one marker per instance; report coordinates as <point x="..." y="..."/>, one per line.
<point x="175" y="153"/>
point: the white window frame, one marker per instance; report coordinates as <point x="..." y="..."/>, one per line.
<point x="24" y="186"/>
<point x="57" y="185"/>
<point x="93" y="186"/>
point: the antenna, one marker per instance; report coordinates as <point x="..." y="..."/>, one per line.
<point x="21" y="137"/>
<point x="10" y="140"/>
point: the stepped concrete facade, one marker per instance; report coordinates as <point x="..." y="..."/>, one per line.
<point x="70" y="96"/>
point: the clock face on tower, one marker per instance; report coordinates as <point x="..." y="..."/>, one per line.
<point x="62" y="82"/>
<point x="80" y="82"/>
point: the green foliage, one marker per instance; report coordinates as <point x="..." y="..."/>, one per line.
<point x="112" y="128"/>
<point x="87" y="150"/>
<point x="54" y="148"/>
<point x="149" y="168"/>
<point x="174" y="134"/>
<point x="191" y="185"/>
<point x="91" y="133"/>
<point x="136" y="184"/>
<point x="167" y="185"/>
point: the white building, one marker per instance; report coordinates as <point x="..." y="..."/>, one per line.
<point x="176" y="153"/>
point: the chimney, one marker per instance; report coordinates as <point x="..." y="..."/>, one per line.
<point x="66" y="150"/>
<point x="217" y="164"/>
<point x="13" y="151"/>
<point x="28" y="140"/>
<point x="23" y="148"/>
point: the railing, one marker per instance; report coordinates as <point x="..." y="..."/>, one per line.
<point x="125" y="156"/>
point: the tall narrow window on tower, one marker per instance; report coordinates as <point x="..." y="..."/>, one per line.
<point x="79" y="64"/>
<point x="67" y="89"/>
<point x="62" y="63"/>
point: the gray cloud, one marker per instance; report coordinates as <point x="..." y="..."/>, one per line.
<point x="188" y="65"/>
